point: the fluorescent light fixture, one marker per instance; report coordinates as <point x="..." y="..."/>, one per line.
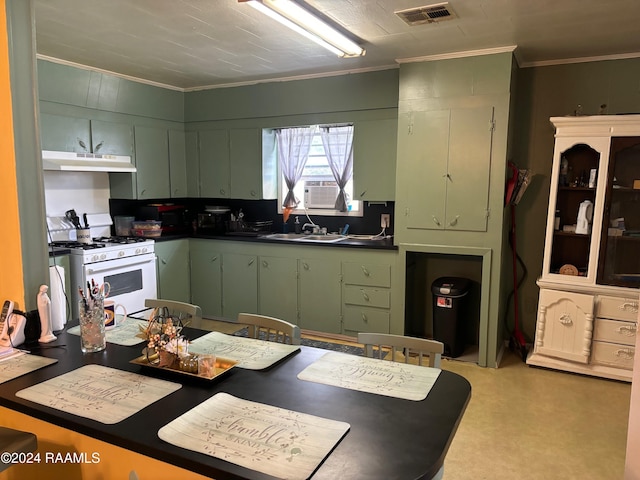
<point x="293" y="16"/>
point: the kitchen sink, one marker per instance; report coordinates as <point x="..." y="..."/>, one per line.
<point x="297" y="237"/>
<point x="329" y="238"/>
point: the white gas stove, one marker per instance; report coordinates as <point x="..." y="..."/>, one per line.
<point x="127" y="264"/>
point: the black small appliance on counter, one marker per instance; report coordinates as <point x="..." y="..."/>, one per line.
<point x="174" y="217"/>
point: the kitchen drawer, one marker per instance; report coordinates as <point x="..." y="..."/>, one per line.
<point x="364" y="319"/>
<point x="370" y="297"/>
<point x="370" y="274"/>
<point x="615" y="331"/>
<point x="618" y="308"/>
<point x="612" y="354"/>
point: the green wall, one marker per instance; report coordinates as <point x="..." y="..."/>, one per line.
<point x="343" y="93"/>
<point x="553" y="91"/>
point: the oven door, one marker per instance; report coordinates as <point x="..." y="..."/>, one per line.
<point x="131" y="280"/>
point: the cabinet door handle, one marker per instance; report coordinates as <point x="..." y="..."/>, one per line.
<point x="454" y="222"/>
<point x="565" y="319"/>
<point x="142" y="192"/>
<point x="98" y="147"/>
<point x="305" y="266"/>
<point x="362" y="194"/>
<point x="254" y="193"/>
<point x="365" y="271"/>
<point x="265" y="264"/>
<point x="435" y="220"/>
<point x="82" y="144"/>
<point x="222" y="192"/>
<point x="214" y="259"/>
<point x="625" y="353"/>
<point x="364" y="318"/>
<point x="251" y="262"/>
<point x="629" y="307"/>
<point x="628" y="330"/>
<point x="163" y="261"/>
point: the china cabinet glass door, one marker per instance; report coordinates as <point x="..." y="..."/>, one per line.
<point x="619" y="260"/>
<point x="574" y="210"/>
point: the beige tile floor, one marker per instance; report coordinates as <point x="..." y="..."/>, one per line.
<point x="529" y="423"/>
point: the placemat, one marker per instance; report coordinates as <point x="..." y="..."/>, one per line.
<point x="250" y="353"/>
<point x="123" y="334"/>
<point x="21" y="363"/>
<point x="101" y="393"/>
<point x="371" y="375"/>
<point x="278" y="442"/>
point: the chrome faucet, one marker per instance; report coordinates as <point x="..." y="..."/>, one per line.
<point x="311" y="226"/>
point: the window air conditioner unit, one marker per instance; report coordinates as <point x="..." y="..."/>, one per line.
<point x="320" y="194"/>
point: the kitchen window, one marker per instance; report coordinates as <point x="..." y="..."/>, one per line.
<point x="313" y="161"/>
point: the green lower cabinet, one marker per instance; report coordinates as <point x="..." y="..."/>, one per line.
<point x="206" y="277"/>
<point x="278" y="288"/>
<point x="173" y="270"/>
<point x="319" y="294"/>
<point x="239" y="284"/>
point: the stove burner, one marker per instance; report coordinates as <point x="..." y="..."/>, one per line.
<point x="73" y="244"/>
<point x="121" y="240"/>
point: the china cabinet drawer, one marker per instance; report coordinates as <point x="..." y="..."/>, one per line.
<point x="613" y="355"/>
<point x="364" y="319"/>
<point x="616" y="332"/>
<point x="370" y="297"/>
<point x="618" y="308"/>
<point x="374" y="275"/>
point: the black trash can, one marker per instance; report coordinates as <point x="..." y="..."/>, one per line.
<point x="449" y="310"/>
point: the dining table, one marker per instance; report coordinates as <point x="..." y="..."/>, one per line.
<point x="386" y="438"/>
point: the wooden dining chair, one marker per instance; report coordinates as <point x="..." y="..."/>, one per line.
<point x="188" y="313"/>
<point x="379" y="342"/>
<point x="270" y="328"/>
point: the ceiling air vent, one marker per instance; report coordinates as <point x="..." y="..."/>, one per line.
<point x="427" y="14"/>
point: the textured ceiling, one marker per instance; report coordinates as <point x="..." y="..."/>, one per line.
<point x="200" y="43"/>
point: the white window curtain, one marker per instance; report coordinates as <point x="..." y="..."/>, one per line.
<point x="338" y="147"/>
<point x="293" y="152"/>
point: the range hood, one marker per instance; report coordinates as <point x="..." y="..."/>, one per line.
<point x="86" y="162"/>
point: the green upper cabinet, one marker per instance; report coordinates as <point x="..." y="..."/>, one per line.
<point x="177" y="164"/>
<point x="111" y="138"/>
<point x="374" y="159"/>
<point x="245" y="163"/>
<point x="447" y="155"/>
<point x="65" y="134"/>
<point x="152" y="162"/>
<point x="81" y="135"/>
<point x="232" y="163"/>
<point x="192" y="164"/>
<point x="213" y="159"/>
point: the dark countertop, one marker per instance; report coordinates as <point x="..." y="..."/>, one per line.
<point x="383" y="244"/>
<point x="388" y="438"/>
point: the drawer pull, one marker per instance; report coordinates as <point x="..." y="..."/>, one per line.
<point x="625" y="353"/>
<point x="365" y="296"/>
<point x="565" y="319"/>
<point x="629" y="307"/>
<point x="364" y="318"/>
<point x="365" y="271"/>
<point x="629" y="330"/>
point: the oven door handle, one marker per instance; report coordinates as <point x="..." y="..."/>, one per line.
<point x="92" y="270"/>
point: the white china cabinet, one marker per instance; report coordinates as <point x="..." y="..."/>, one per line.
<point x="588" y="304"/>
